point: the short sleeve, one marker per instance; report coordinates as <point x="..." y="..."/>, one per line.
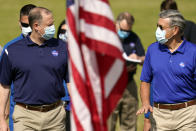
<point x="146" y="74"/>
<point x="5" y="69"/>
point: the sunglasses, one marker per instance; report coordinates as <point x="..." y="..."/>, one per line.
<point x="62" y="31"/>
<point x="24" y="24"/>
<point x="161" y="27"/>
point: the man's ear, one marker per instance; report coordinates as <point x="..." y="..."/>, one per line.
<point x="36" y="26"/>
<point x="176" y="30"/>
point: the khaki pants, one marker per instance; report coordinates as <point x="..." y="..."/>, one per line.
<point x="29" y="120"/>
<point x="174" y="120"/>
<point x="126" y="110"/>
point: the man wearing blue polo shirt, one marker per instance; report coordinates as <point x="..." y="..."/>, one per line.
<point x="37" y="65"/>
<point x="25" y="28"/>
<point x="171" y="64"/>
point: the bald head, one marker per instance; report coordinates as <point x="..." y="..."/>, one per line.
<point x="36" y="15"/>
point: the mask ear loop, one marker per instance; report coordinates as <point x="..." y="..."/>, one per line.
<point x="170" y="31"/>
<point x="39" y="32"/>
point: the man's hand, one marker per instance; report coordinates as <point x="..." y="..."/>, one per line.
<point x="133" y="56"/>
<point x="144" y="109"/>
<point x="147" y="124"/>
<point x="3" y="125"/>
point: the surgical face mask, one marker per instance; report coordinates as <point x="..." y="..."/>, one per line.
<point x="160" y="36"/>
<point x="123" y="34"/>
<point x="49" y="32"/>
<point x="63" y="37"/>
<point x="26" y="30"/>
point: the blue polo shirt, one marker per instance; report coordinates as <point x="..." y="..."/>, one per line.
<point x="36" y="71"/>
<point x="173" y="74"/>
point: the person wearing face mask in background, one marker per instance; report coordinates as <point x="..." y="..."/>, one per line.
<point x="37" y="65"/>
<point x="62" y="31"/>
<point x="171" y="64"/>
<point x="128" y="104"/>
<point x="25" y="29"/>
<point x="62" y="35"/>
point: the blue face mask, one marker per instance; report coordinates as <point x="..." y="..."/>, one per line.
<point x="49" y="32"/>
<point x="160" y="36"/>
<point x="123" y="34"/>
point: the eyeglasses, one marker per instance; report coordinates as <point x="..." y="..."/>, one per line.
<point x="162" y="28"/>
<point x="24" y="24"/>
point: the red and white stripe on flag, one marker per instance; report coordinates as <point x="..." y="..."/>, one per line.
<point x="98" y="75"/>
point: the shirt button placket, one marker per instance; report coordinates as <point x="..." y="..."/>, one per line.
<point x="170" y="59"/>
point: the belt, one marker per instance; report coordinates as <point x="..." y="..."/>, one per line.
<point x="175" y="106"/>
<point x="41" y="108"/>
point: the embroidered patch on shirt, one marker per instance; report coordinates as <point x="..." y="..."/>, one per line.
<point x="132" y="44"/>
<point x="182" y="64"/>
<point x="55" y="53"/>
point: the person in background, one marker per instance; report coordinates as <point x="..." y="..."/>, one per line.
<point x="37" y="65"/>
<point x="62" y="34"/>
<point x="62" y="31"/>
<point x="25" y="29"/>
<point x="170" y="66"/>
<point x="128" y="104"/>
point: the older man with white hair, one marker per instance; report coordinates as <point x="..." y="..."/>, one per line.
<point x="171" y="64"/>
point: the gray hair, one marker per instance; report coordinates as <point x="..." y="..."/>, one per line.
<point x="176" y="19"/>
<point x="36" y="15"/>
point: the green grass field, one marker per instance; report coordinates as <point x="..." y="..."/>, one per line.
<point x="144" y="11"/>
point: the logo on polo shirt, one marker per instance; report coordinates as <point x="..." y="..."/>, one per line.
<point x="55" y="53"/>
<point x="132" y="44"/>
<point x="182" y="64"/>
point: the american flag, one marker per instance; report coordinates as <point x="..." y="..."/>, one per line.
<point x="98" y="75"/>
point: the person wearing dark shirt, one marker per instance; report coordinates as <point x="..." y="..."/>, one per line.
<point x="37" y="65"/>
<point x="128" y="104"/>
